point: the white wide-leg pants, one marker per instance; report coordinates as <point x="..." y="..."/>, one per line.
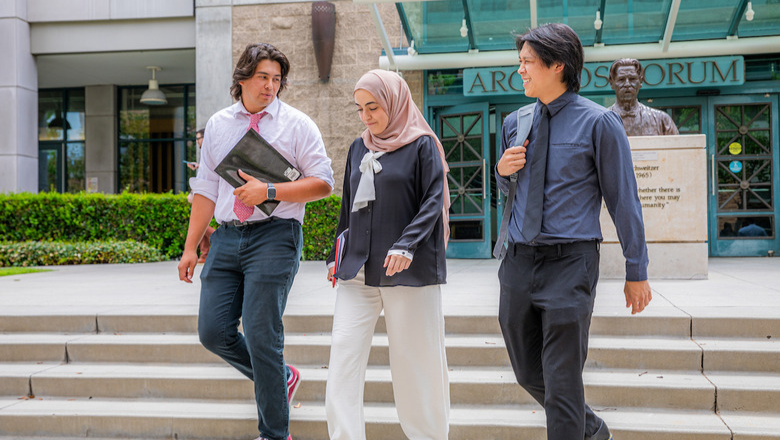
<point x="418" y="362"/>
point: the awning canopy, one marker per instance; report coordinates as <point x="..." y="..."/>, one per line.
<point x="652" y="28"/>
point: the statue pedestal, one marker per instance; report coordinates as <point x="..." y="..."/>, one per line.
<point x="671" y="176"/>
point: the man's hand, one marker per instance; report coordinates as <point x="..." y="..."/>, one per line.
<point x="187" y="265"/>
<point x="253" y="192"/>
<point x="192" y="165"/>
<point x="512" y="160"/>
<point x="638" y="295"/>
<point x="396" y="263"/>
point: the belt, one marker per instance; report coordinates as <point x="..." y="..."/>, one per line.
<point x="239" y="224"/>
<point x="555" y="249"/>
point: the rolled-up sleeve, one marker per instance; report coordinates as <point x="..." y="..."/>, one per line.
<point x="310" y="154"/>
<point x="206" y="181"/>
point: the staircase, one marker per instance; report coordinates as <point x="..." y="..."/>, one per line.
<point x="137" y="375"/>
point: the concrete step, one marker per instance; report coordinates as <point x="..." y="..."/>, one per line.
<point x="732" y="354"/>
<point x="748" y="391"/>
<point x="167" y="320"/>
<point x="198" y="420"/>
<point x="468" y="386"/>
<point x="651" y="353"/>
<point x="177" y="320"/>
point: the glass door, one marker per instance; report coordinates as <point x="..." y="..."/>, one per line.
<point x="743" y="153"/>
<point x="464" y="133"/>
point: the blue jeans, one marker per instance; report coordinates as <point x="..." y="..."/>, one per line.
<point x="247" y="277"/>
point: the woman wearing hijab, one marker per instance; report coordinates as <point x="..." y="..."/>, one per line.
<point x="394" y="211"/>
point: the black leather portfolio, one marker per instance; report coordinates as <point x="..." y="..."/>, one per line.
<point x="256" y="157"/>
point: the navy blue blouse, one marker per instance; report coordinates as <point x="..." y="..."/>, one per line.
<point x="406" y="216"/>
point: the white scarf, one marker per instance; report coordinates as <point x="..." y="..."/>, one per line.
<point x="365" y="191"/>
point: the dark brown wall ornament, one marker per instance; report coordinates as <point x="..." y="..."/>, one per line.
<point x="323" y="35"/>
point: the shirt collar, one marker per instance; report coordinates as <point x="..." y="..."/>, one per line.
<point x="272" y="109"/>
<point x="558" y="104"/>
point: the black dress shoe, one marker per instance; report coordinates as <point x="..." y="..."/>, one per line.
<point x="602" y="434"/>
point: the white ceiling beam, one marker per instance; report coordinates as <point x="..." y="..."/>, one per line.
<point x="674" y="8"/>
<point x="380" y="29"/>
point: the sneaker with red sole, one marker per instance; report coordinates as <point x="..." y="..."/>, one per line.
<point x="292" y="384"/>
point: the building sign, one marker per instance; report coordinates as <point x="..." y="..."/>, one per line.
<point x="659" y="74"/>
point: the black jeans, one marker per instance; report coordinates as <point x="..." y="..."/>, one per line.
<point x="547" y="295"/>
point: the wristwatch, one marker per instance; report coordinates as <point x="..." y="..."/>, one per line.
<point x="271" y="192"/>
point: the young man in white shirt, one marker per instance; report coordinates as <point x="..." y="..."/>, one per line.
<point x="254" y="258"/>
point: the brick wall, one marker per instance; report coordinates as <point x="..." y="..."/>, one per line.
<point x="288" y="27"/>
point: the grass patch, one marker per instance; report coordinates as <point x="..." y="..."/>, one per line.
<point x="6" y="271"/>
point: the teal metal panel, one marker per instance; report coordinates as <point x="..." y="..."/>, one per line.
<point x="703" y="72"/>
<point x="465" y="133"/>
<point x="738" y="161"/>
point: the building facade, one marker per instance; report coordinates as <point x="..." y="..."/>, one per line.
<point x="72" y="119"/>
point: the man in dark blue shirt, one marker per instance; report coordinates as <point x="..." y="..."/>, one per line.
<point x="576" y="153"/>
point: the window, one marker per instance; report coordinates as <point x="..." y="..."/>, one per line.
<point x="61" y="136"/>
<point x="155" y="141"/>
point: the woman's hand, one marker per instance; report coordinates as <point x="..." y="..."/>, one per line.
<point x="396" y="263"/>
<point x="331" y="271"/>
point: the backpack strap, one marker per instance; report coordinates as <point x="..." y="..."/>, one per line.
<point x="525" y="120"/>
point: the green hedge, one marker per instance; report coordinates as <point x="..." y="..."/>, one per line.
<point x="319" y="227"/>
<point x="55" y="253"/>
<point x="158" y="220"/>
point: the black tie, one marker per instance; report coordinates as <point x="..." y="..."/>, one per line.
<point x="532" y="221"/>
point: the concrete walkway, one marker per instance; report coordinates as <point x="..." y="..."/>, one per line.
<point x="736" y="288"/>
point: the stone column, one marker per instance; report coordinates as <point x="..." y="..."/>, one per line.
<point x="100" y="149"/>
<point x="213" y="57"/>
<point x="18" y="101"/>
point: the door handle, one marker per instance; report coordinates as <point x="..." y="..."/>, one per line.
<point x="713" y="174"/>
<point x="484" y="179"/>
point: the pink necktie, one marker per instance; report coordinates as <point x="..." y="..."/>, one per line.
<point x="243" y="211"/>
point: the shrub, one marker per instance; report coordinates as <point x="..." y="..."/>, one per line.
<point x="56" y="253"/>
<point x="319" y="227"/>
<point x="158" y="220"/>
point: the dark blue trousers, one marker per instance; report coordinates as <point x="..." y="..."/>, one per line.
<point x="247" y="277"/>
<point x="547" y="295"/>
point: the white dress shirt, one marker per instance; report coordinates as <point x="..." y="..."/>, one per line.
<point x="287" y="129"/>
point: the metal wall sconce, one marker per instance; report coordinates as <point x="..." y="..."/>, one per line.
<point x="750" y="13"/>
<point x="323" y="35"/>
<point x="153" y="95"/>
<point x="464" y="30"/>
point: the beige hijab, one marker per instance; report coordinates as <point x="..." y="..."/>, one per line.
<point x="406" y="123"/>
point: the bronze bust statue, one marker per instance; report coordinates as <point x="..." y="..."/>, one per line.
<point x="626" y="76"/>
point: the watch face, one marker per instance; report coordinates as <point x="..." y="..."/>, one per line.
<point x="271" y="193"/>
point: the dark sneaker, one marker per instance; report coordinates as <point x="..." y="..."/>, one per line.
<point x="292" y="384"/>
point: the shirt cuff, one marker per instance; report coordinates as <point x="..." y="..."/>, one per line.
<point x="331" y="264"/>
<point x="207" y="188"/>
<point x="402" y="253"/>
<point x="636" y="272"/>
